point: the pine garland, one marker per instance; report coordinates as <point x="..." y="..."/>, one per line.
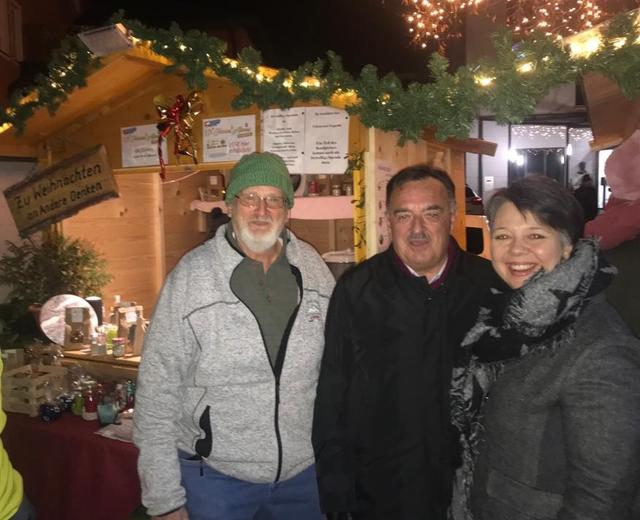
<point x="519" y="77"/>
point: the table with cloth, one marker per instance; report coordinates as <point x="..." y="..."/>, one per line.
<point x="69" y="472"/>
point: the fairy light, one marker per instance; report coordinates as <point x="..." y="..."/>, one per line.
<point x="526" y="67"/>
<point x="484" y="81"/>
<point x="310" y="83"/>
<point x="553" y="17"/>
<point x="533" y="131"/>
<point x="440" y="20"/>
<point x="580" y="134"/>
<point x="231" y="62"/>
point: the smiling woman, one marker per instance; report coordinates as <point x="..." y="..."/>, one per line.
<point x="534" y="225"/>
<point x="561" y="432"/>
<point x="522" y="245"/>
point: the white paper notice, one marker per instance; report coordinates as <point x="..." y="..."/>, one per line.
<point x="140" y="146"/>
<point x="283" y="134"/>
<point x="228" y="138"/>
<point x="326" y="140"/>
<point x="383" y="173"/>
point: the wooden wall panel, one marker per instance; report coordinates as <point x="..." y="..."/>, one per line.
<point x="324" y="235"/>
<point x="456" y="172"/>
<point x="181" y="232"/>
<point x="127" y="231"/>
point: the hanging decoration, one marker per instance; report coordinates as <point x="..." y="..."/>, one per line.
<point x="580" y="134"/>
<point x="442" y="20"/>
<point x="539" y="131"/>
<point x="509" y="86"/>
<point x="437" y="20"/>
<point x="553" y="17"/>
<point x="178" y="116"/>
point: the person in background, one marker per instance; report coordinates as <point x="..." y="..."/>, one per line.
<point x="227" y="381"/>
<point x="618" y="228"/>
<point x="587" y="196"/>
<point x="13" y="503"/>
<point x="559" y="435"/>
<point x="385" y="448"/>
<point x="576" y="178"/>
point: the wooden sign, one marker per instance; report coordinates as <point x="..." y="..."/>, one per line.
<point x="61" y="190"/>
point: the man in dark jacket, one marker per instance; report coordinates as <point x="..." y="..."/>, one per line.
<point x="382" y="436"/>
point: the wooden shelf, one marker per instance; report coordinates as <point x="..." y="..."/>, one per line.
<point x="304" y="208"/>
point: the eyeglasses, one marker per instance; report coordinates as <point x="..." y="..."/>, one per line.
<point x="253" y="200"/>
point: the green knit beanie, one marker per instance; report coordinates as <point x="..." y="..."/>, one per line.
<point x="260" y="169"/>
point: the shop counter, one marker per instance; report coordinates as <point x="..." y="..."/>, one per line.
<point x="69" y="472"/>
<point x="104" y="368"/>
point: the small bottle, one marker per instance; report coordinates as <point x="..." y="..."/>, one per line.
<point x="78" y="404"/>
<point x="313" y="188"/>
<point x="93" y="342"/>
<point x="118" y="346"/>
<point x="130" y="392"/>
<point x="113" y="317"/>
<point x="89" y="406"/>
<point x="101" y="344"/>
<point x="99" y="392"/>
<point x="120" y="397"/>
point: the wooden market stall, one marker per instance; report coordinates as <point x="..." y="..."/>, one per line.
<point x="144" y="232"/>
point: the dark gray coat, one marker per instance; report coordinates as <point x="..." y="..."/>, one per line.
<point x="562" y="430"/>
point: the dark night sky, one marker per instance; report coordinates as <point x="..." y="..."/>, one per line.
<point x="290" y="32"/>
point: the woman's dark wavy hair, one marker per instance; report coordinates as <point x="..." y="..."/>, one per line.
<point x="546" y="200"/>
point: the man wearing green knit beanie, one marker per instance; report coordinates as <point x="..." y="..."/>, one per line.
<point x="260" y="169"/>
<point x="231" y="363"/>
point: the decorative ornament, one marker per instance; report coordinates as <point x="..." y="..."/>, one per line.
<point x="178" y="117"/>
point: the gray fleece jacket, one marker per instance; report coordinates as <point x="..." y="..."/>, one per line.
<point x="205" y="383"/>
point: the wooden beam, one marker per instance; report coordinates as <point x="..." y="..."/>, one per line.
<point x="468" y="145"/>
<point x="613" y="117"/>
<point x="18" y="151"/>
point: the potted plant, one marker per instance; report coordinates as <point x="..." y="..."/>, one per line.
<point x="37" y="270"/>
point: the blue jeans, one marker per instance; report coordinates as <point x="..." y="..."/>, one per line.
<point x="25" y="511"/>
<point x="215" y="496"/>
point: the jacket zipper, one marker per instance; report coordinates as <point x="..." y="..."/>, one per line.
<point x="276" y="374"/>
<point x="277" y="428"/>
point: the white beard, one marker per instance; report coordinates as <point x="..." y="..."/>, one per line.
<point x="260" y="243"/>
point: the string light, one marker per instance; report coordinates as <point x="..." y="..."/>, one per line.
<point x="553" y="17"/>
<point x="532" y="131"/>
<point x="440" y="20"/>
<point x="580" y="134"/>
<point x="484" y="81"/>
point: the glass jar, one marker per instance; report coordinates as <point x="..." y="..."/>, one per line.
<point x="118" y="347"/>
